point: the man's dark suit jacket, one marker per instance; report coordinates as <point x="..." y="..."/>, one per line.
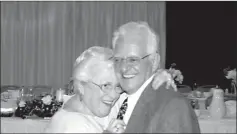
<point x="162" y="111"/>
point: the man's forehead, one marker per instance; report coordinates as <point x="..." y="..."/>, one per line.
<point x="131" y="44"/>
<point x="133" y="36"/>
<point x="135" y="27"/>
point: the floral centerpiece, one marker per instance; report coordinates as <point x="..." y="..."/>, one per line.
<point x="176" y="74"/>
<point x="231" y="75"/>
<point x="43" y="107"/>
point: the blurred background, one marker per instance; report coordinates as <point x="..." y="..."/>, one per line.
<point x="41" y="40"/>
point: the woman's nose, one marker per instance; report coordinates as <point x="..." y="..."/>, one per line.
<point x="113" y="94"/>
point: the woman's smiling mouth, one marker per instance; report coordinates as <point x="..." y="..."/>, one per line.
<point x="108" y="102"/>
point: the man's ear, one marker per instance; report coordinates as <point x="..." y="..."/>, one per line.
<point x="155" y="60"/>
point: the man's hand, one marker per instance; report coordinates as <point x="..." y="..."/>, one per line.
<point x="162" y="76"/>
<point x="116" y="126"/>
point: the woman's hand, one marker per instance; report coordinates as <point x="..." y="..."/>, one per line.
<point x="162" y="76"/>
<point x="116" y="126"/>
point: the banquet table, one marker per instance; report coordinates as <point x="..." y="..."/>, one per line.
<point x="18" y="125"/>
<point x="208" y="125"/>
<point x="37" y="125"/>
<point x="222" y="126"/>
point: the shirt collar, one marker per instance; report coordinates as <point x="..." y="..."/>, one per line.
<point x="142" y="88"/>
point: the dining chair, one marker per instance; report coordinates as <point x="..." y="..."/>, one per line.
<point x="184" y="88"/>
<point x="205" y="88"/>
<point x="9" y="87"/>
<point x="39" y="90"/>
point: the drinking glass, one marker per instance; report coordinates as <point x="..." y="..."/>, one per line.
<point x="26" y="94"/>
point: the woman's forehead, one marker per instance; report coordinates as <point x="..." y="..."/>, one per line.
<point x="103" y="71"/>
<point x="105" y="78"/>
<point x="94" y="68"/>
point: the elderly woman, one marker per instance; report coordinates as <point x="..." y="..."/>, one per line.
<point x="96" y="91"/>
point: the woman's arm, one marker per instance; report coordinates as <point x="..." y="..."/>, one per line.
<point x="163" y="76"/>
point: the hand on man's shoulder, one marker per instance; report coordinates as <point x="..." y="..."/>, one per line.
<point x="162" y="77"/>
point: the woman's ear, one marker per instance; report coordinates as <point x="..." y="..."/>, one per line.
<point x="79" y="88"/>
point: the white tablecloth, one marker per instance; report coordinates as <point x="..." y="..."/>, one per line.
<point x="221" y="126"/>
<point x="18" y="125"/>
<point x="209" y="125"/>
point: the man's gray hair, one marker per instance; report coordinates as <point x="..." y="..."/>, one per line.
<point x="138" y="27"/>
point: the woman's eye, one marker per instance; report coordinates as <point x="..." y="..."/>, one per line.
<point x="105" y="85"/>
<point x="116" y="59"/>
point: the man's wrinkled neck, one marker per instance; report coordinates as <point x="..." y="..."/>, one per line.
<point x="149" y="75"/>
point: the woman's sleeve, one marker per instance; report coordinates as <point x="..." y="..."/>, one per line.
<point x="68" y="124"/>
<point x="76" y="127"/>
<point x="56" y="124"/>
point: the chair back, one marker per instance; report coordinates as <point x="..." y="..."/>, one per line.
<point x="40" y="90"/>
<point x="184" y="88"/>
<point x="9" y="87"/>
<point x="205" y="88"/>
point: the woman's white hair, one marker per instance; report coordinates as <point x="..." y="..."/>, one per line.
<point x="94" y="52"/>
<point x="85" y="64"/>
<point x="138" y="27"/>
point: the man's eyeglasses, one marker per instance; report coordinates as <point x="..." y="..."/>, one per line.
<point x="129" y="60"/>
<point x="106" y="88"/>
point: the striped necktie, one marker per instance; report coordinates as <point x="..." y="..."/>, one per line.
<point x="122" y="109"/>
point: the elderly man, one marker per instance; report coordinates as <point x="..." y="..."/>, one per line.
<point x="143" y="110"/>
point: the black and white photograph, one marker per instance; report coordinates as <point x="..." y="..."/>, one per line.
<point x="118" y="66"/>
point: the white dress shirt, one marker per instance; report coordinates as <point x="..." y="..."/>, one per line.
<point x="132" y="101"/>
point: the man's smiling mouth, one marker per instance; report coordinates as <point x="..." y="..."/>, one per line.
<point x="128" y="76"/>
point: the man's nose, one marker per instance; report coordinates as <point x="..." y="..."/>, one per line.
<point x="124" y="66"/>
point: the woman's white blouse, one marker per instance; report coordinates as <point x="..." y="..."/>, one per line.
<point x="72" y="122"/>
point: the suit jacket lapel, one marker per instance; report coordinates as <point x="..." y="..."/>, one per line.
<point x="140" y="111"/>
